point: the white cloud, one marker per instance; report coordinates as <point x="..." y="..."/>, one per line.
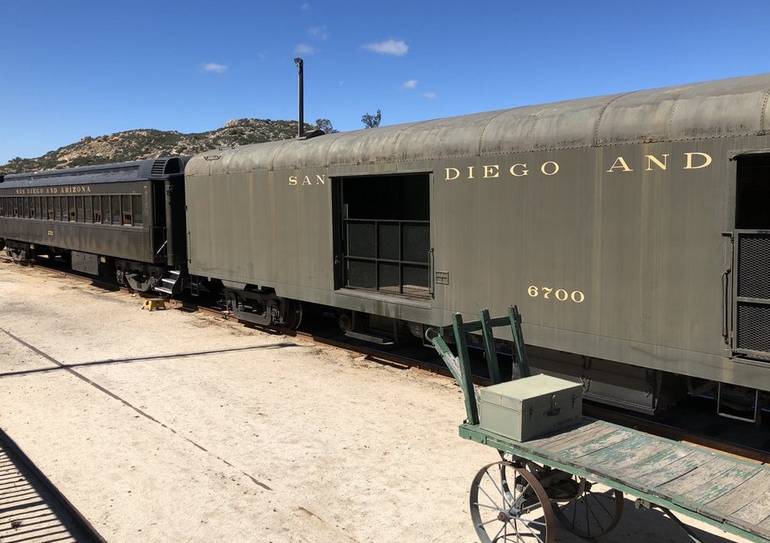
<point x="396" y="48"/>
<point x="409" y="84"/>
<point x="319" y="32"/>
<point x="304" y="49"/>
<point x="214" y="68"/>
<point x="430" y="95"/>
<point x="305" y="6"/>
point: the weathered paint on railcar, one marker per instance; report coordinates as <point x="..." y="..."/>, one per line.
<point x="611" y="244"/>
<point x="132" y="243"/>
<point x="140" y="243"/>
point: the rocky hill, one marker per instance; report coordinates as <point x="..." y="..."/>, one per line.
<point x="148" y="143"/>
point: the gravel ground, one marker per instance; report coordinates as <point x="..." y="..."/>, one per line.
<point x="170" y="426"/>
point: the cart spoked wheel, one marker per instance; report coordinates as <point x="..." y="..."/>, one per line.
<point x="508" y="504"/>
<point x="585" y="511"/>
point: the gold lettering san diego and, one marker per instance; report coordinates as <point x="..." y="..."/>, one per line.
<point x="619" y="164"/>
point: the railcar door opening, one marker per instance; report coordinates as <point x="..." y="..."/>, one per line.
<point x="382" y="234"/>
<point x="752" y="257"/>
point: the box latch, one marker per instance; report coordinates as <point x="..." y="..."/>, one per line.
<point x="555" y="409"/>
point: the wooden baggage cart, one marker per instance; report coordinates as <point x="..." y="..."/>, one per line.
<point x="535" y="483"/>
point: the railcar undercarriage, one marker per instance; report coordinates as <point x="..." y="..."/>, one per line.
<point x="262" y="307"/>
<point x="138" y="276"/>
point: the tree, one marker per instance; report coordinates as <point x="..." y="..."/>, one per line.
<point x="372" y="121"/>
<point x="325" y="125"/>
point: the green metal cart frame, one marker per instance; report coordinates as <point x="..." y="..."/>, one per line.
<point x="520" y="497"/>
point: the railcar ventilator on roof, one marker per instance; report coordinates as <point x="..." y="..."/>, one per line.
<point x="632" y="230"/>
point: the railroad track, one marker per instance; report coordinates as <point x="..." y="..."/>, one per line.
<point x="31" y="507"/>
<point x="617" y="416"/>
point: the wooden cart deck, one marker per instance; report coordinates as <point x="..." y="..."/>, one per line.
<point x="730" y="493"/>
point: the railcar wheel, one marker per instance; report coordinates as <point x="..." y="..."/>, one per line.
<point x="504" y="504"/>
<point x="585" y="512"/>
<point x="19" y="256"/>
<point x="293" y="317"/>
<point x="140" y="282"/>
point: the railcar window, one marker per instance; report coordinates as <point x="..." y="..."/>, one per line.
<point x="97" y="209"/>
<point x="38" y="213"/>
<point x="106" y="210"/>
<point x="50" y="207"/>
<point x="125" y="204"/>
<point x="752" y="196"/>
<point x="79" y="209"/>
<point x="89" y="213"/>
<point x="136" y="207"/>
<point x="115" y="208"/>
<point x="57" y="208"/>
<point x="385" y="233"/>
<point x="43" y="207"/>
<point x="71" y="207"/>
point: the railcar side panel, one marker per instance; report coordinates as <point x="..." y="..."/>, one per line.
<point x="608" y="252"/>
<point x="133" y="242"/>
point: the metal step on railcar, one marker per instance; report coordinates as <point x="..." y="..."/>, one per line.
<point x="168" y="285"/>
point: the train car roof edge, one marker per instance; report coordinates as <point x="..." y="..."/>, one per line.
<point x="722" y="108"/>
<point x="136" y="170"/>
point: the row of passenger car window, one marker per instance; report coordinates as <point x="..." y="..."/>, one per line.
<point x="119" y="209"/>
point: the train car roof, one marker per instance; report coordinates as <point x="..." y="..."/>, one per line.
<point x="119" y="172"/>
<point x="724" y="108"/>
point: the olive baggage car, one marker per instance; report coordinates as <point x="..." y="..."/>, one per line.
<point x="633" y="230"/>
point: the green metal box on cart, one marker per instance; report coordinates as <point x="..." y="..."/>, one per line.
<point x="530" y="407"/>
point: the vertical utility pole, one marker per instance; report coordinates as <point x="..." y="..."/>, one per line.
<point x="301" y="84"/>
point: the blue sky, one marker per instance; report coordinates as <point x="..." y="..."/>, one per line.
<point x="77" y="68"/>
